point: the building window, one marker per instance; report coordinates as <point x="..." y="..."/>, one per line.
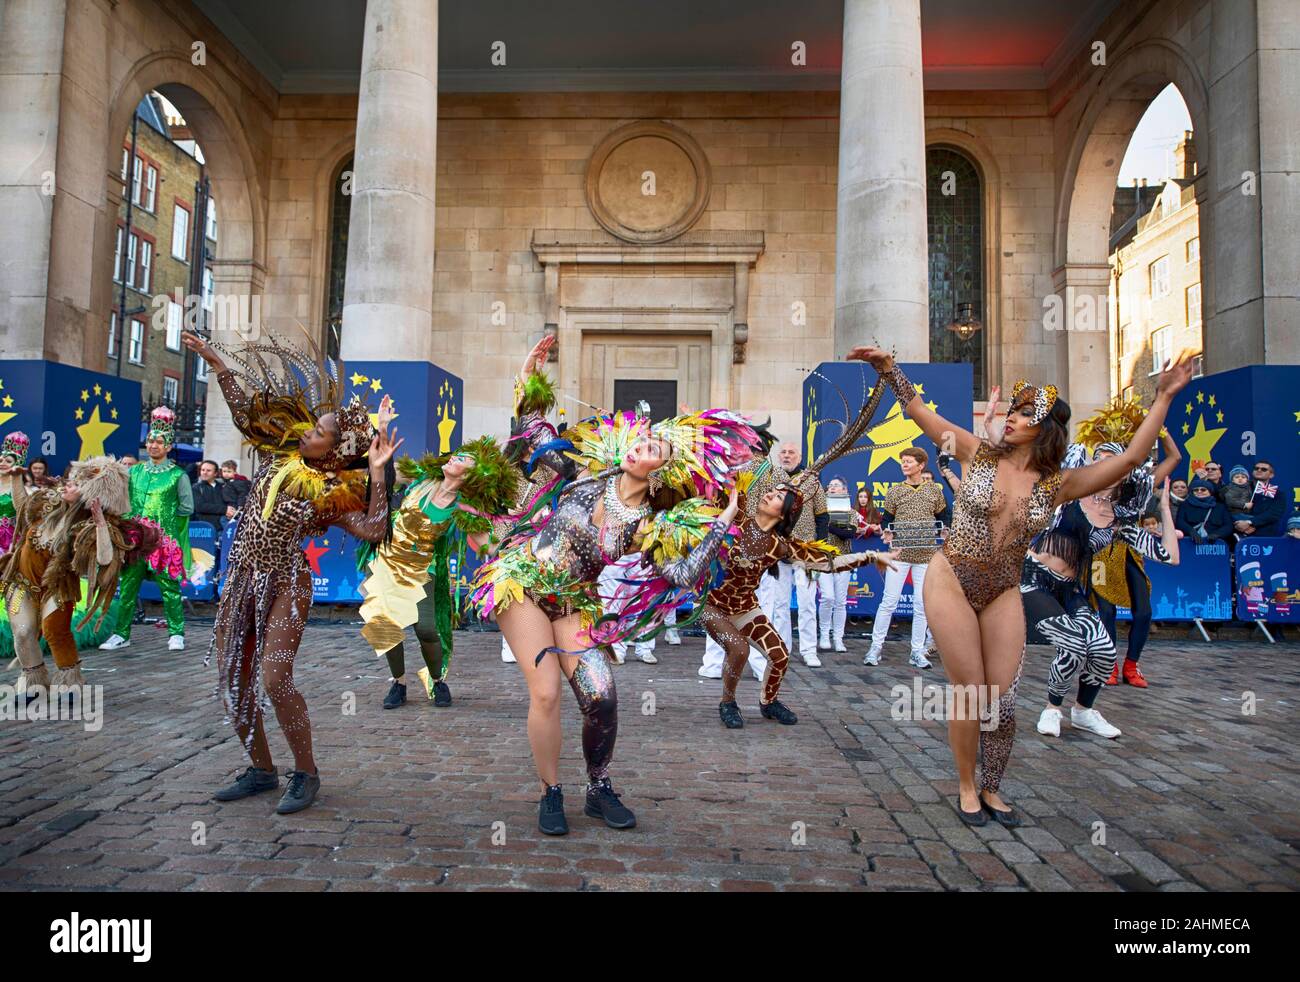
<point x="126" y="162"/>
<point x="1162" y="342"/>
<point x="146" y="265"/>
<point x="135" y="353"/>
<point x="211" y="230"/>
<point x="135" y="181"/>
<point x="1194" y="249"/>
<point x="1194" y="305"/>
<point x="131" y="244"/>
<point x="174" y="317"/>
<point x="181" y="232"/>
<point x="1159" y="278"/>
<point x="340" y="213"/>
<point x="151" y="189"/>
<point x="112" y="334"/>
<point x="1198" y="365"/>
<point x="117" y="256"/>
<point x="955" y="226"/>
<point x="207" y="290"/>
<point x="171" y="390"/>
<point x="200" y="370"/>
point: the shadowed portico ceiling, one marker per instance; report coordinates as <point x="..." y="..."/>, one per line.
<point x="658" y="45"/>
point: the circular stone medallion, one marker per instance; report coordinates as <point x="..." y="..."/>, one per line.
<point x="647" y="182"/>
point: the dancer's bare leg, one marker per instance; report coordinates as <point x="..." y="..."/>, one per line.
<point x="956" y="632"/>
<point x="528" y="631"/>
<point x="1002" y="638"/>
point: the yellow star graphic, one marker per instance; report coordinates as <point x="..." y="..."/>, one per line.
<point x="932" y="406"/>
<point x="1211" y="402"/>
<point x="8" y="401"/>
<point x="1200" y="446"/>
<point x="108" y="397"/>
<point x="376" y="385"/>
<point x="897" y="430"/>
<point x="1186" y="429"/>
<point x="80" y="414"/>
<point x="1297" y="417"/>
<point x="93" y="433"/>
<point x="358" y="378"/>
<point x="114" y="412"/>
<point x="1189" y="409"/>
<point x="84" y="395"/>
<point x="98" y="390"/>
<point x="1200" y="398"/>
<point x="1218" y="417"/>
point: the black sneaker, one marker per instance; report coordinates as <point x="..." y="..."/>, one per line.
<point x="550" y="812"/>
<point x="602" y="802"/>
<point x="730" y="714"/>
<point x="441" y="694"/>
<point x="300" y="793"/>
<point x="396" y="696"/>
<point x="776" y="710"/>
<point x="252" y="781"/>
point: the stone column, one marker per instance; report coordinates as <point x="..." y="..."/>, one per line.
<point x="881" y="280"/>
<point x="1083" y="356"/>
<point x="1253" y="316"/>
<point x="388" y="297"/>
<point x="31" y="67"/>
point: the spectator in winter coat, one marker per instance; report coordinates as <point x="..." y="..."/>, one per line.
<point x="1267" y="504"/>
<point x="1202" y="517"/>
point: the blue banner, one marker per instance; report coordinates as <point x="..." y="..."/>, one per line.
<point x="69" y="413"/>
<point x="1199" y="587"/>
<point x="1268" y="580"/>
<point x="201" y="584"/>
<point x="429" y="402"/>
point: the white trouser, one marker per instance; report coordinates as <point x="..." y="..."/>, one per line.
<point x="834" y="607"/>
<point x="806" y="588"/>
<point x="714" y="657"/>
<point x="894" y="579"/>
<point x="774" y="599"/>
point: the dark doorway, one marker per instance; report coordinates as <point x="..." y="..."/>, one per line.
<point x="661" y="394"/>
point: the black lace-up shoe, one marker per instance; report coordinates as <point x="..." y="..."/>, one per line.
<point x="730" y="714"/>
<point x="776" y="710"/>
<point x="550" y="812"/>
<point x="602" y="802"/>
<point x="441" y="694"/>
<point x="396" y="696"/>
<point x="252" y="781"/>
<point x="300" y="793"/>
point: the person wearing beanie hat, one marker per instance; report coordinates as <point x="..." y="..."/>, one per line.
<point x="1293" y="527"/>
<point x="13" y="455"/>
<point x="161" y="493"/>
<point x="1235" y="494"/>
<point x="1202" y="517"/>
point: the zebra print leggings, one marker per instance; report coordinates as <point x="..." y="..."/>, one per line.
<point x="1057" y="613"/>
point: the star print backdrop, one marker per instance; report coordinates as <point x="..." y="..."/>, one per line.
<point x="69" y="413"/>
<point x="945" y="388"/>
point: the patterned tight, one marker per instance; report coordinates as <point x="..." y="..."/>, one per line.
<point x="284" y="625"/>
<point x="593" y="683"/>
<point x="735" y="638"/>
<point x="995" y="745"/>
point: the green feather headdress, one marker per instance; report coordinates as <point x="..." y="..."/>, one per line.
<point x="491" y="485"/>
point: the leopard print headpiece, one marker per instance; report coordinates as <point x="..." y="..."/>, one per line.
<point x="355" y="433"/>
<point x="791" y="489"/>
<point x="1043" y="399"/>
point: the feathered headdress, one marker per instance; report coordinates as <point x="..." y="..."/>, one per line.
<point x="599" y="443"/>
<point x="1115" y="422"/>
<point x="162" y="426"/>
<point x="490" y="487"/>
<point x="853" y="427"/>
<point x="706" y="447"/>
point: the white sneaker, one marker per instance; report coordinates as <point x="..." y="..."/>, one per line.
<point x="507" y="655"/>
<point x="648" y="657"/>
<point x="918" y="660"/>
<point x="1049" y="722"/>
<point x="620" y="653"/>
<point x="710" y="673"/>
<point x="115" y="642"/>
<point x="672" y="637"/>
<point x="1093" y="722"/>
<point x="811" y="660"/>
<point x="176" y="642"/>
<point x="872" y="657"/>
<point x="839" y="645"/>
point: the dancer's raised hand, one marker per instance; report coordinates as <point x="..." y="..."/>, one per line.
<point x="204" y="350"/>
<point x="1175" y="376"/>
<point x="878" y="358"/>
<point x="537" y="357"/>
<point x="382" y="448"/>
<point x="733" y="505"/>
<point x="994" y="427"/>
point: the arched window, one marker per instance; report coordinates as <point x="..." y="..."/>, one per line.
<point x="955" y="225"/>
<point x="340" y="212"/>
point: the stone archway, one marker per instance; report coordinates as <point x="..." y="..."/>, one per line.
<point x="239" y="269"/>
<point x="1086" y="193"/>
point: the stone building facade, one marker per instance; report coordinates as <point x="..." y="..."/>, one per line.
<point x="797" y="225"/>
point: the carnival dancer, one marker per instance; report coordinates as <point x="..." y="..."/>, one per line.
<point x="1009" y="491"/>
<point x="542" y="584"/>
<point x="306" y="438"/>
<point x="64" y="534"/>
<point x="448" y="508"/>
<point x="13" y="455"/>
<point x="161" y="492"/>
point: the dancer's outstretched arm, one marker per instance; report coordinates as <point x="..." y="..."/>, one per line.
<point x="1078" y="482"/>
<point x="946" y="435"/>
<point x="371" y="524"/>
<point x="1165" y="469"/>
<point x="236" y="398"/>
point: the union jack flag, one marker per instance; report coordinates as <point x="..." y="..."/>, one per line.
<point x="1266" y="489"/>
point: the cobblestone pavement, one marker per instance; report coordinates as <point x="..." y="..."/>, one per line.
<point x="1196" y="795"/>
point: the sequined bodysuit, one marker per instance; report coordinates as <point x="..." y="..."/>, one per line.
<point x="990" y="532"/>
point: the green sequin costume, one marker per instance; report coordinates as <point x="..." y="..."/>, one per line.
<point x="160" y="492"/>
